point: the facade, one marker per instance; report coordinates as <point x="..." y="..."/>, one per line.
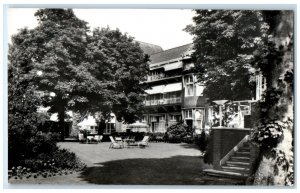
<point x="174" y="93"/>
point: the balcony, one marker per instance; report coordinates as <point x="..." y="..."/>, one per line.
<point x="166" y="78"/>
<point x="172" y="100"/>
<point x="163" y="101"/>
<point x="155" y="77"/>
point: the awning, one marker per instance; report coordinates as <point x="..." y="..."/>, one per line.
<point x="156" y="89"/>
<point x="173" y="87"/>
<point x="173" y="66"/>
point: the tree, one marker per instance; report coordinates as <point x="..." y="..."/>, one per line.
<point x="230" y="45"/>
<point x="275" y="130"/>
<point x="118" y="63"/>
<point x="21" y="116"/>
<point x="56" y="48"/>
<point x="87" y="73"/>
<point x="224" y="42"/>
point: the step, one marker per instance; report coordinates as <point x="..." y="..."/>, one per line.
<point x="236" y="169"/>
<point x="237" y="163"/>
<point x="242" y="153"/>
<point x="244" y="150"/>
<point x="226" y="174"/>
<point x="239" y="158"/>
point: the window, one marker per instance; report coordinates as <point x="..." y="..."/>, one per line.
<point x="188" y="79"/>
<point x="199" y="114"/>
<point x="143" y="119"/>
<point x="189" y="90"/>
<point x="175" y="118"/>
<point x="189" y="85"/>
<point x="188" y="114"/>
<point x="153" y="119"/>
<point x="162" y="118"/>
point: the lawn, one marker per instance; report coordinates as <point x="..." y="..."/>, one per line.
<point x="158" y="164"/>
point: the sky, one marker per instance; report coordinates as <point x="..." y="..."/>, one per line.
<point x="163" y="27"/>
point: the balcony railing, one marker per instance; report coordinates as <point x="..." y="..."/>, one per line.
<point x="163" y="101"/>
<point x="156" y="77"/>
<point x="161" y="76"/>
<point x="172" y="100"/>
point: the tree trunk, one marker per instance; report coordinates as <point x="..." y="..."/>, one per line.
<point x="278" y="169"/>
<point x="61" y="121"/>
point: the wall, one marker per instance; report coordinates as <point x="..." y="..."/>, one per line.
<point x="223" y="140"/>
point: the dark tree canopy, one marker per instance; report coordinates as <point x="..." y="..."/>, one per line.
<point x="98" y="72"/>
<point x="225" y="41"/>
<point x="120" y="65"/>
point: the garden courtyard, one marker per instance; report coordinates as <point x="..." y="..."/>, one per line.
<point x="158" y="164"/>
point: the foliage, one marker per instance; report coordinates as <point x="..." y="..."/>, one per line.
<point x="27" y="142"/>
<point x="229" y="111"/>
<point x="202" y="140"/>
<point x="274" y="132"/>
<point x="178" y="133"/>
<point x="224" y="44"/>
<point x="47" y="165"/>
<point x="85" y="72"/>
<point x="269" y="133"/>
<point x="22" y="116"/>
<point x="157" y="137"/>
<point x="120" y="65"/>
<point x="230" y="45"/>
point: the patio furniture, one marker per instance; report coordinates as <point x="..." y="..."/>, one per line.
<point x="81" y="138"/>
<point x="98" y="138"/>
<point x="119" y="140"/>
<point x="114" y="144"/>
<point x="130" y="141"/>
<point x="90" y="138"/>
<point x="144" y="142"/>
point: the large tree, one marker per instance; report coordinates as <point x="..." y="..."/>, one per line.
<point x="98" y="72"/>
<point x="230" y="46"/>
<point x="120" y="64"/>
<point x="224" y="42"/>
<point x="55" y="50"/>
<point x="275" y="130"/>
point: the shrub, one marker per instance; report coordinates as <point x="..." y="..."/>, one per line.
<point x="202" y="140"/>
<point x="157" y="137"/>
<point x="54" y="162"/>
<point x="179" y="132"/>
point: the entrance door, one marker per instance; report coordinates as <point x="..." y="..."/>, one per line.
<point x="189" y="123"/>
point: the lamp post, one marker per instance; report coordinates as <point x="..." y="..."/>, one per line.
<point x="220" y="103"/>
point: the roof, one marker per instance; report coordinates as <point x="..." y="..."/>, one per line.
<point x="170" y="54"/>
<point x="150" y="48"/>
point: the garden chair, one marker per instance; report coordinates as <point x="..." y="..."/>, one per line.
<point x="114" y="144"/>
<point x="144" y="142"/>
<point x="98" y="138"/>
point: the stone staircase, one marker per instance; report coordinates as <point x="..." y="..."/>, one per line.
<point x="237" y="166"/>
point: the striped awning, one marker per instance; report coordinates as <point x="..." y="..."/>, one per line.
<point x="156" y="89"/>
<point x="173" y="87"/>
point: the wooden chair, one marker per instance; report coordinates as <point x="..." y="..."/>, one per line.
<point x="114" y="144"/>
<point x="144" y="142"/>
<point x="98" y="138"/>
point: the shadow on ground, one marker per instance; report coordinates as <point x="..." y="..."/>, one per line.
<point x="190" y="146"/>
<point x="177" y="170"/>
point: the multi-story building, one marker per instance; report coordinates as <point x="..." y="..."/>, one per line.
<point x="175" y="94"/>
